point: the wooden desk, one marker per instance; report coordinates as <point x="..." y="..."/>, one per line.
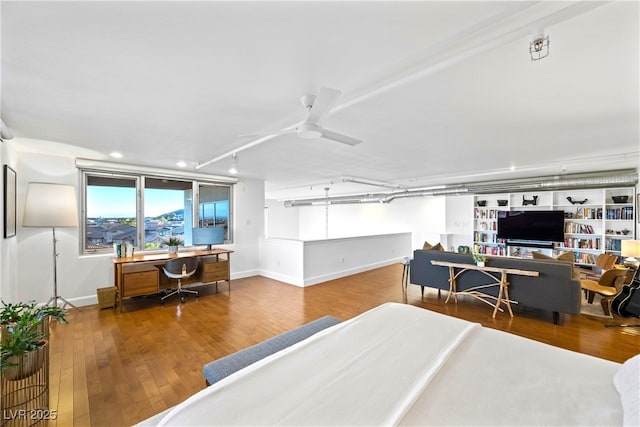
<point x="475" y="291"/>
<point x="142" y="274"/>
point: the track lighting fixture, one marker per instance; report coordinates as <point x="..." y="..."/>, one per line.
<point x="539" y="47"/>
<point x="234" y="161"/>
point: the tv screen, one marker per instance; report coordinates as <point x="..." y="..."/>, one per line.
<point x="208" y="236"/>
<point x="545" y="226"/>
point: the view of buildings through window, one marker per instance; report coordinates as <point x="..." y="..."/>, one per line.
<point x="166" y="209"/>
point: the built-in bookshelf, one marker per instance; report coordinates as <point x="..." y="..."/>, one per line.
<point x="596" y="220"/>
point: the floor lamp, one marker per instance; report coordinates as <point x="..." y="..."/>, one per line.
<point x="51" y="205"/>
<point x="630" y="249"/>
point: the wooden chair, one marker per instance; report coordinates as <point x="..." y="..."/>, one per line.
<point x="608" y="286"/>
<point x="604" y="262"/>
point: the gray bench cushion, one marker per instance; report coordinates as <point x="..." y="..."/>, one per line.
<point x="221" y="368"/>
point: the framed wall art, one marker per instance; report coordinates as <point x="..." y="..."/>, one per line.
<point x="9" y="202"/>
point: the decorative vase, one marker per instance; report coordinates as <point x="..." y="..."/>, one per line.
<point x="173" y="249"/>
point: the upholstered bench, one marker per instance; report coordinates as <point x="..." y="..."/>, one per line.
<point x="221" y="368"/>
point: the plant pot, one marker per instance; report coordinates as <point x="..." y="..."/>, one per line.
<point x="27" y="364"/>
<point x="480" y="263"/>
<point x="173" y="249"/>
<point x="5" y="329"/>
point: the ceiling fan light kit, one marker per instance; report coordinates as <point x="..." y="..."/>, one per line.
<point x="309" y="131"/>
<point x="317" y="108"/>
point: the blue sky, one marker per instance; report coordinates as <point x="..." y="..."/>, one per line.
<point x="120" y="202"/>
<point x="108" y="202"/>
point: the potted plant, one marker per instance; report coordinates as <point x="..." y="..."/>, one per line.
<point x="479" y="258"/>
<point x="23" y="337"/>
<point x="173" y="243"/>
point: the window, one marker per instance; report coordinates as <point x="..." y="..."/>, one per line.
<point x="148" y="210"/>
<point x="167" y="211"/>
<point x="213" y="207"/>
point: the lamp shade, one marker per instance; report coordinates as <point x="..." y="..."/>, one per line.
<point x="50" y="205"/>
<point x="630" y="248"/>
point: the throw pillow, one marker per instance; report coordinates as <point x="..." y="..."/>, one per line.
<point x="540" y="255"/>
<point x="428" y="246"/>
<point x="566" y="256"/>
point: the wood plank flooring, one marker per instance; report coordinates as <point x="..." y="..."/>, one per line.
<point x="114" y="369"/>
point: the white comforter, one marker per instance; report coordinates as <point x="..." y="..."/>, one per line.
<point x="399" y="364"/>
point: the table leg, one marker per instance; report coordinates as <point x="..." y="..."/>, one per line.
<point x="502" y="294"/>
<point x="452" y="285"/>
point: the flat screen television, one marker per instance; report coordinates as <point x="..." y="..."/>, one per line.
<point x="207" y="236"/>
<point x="543" y="226"/>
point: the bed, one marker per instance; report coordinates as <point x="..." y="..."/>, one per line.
<point x="402" y="365"/>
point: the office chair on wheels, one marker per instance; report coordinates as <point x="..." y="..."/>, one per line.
<point x="180" y="268"/>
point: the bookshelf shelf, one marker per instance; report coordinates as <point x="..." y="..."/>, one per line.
<point x="597" y="225"/>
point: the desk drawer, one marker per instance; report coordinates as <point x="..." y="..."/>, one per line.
<point x="140" y="283"/>
<point x="215" y="271"/>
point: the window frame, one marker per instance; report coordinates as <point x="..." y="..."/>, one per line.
<point x="139" y="179"/>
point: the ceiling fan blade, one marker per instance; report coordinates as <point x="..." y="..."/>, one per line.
<point x="322" y="104"/>
<point x="274" y="133"/>
<point x="327" y="134"/>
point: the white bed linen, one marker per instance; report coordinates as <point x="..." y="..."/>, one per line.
<point x="399" y="364"/>
<point x="498" y="379"/>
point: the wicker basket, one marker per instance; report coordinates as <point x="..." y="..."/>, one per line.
<point x="107" y="297"/>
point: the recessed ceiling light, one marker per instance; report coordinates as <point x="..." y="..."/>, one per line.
<point x="181" y="164"/>
<point x="116" y="155"/>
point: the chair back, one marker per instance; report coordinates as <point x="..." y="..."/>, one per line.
<point x="605" y="261"/>
<point x="614" y="277"/>
<point x="174" y="266"/>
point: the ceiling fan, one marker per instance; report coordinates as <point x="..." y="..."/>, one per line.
<point x="317" y="108"/>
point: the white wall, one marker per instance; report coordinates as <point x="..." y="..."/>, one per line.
<point x="8" y="247"/>
<point x="280" y="222"/>
<point x="425" y="217"/>
<point x="80" y="276"/>
<point x="309" y="262"/>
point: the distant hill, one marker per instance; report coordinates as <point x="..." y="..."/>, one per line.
<point x="178" y="213"/>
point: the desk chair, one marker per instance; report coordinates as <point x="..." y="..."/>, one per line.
<point x="180" y="268"/>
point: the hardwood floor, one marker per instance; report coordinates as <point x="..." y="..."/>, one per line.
<point x="114" y="369"/>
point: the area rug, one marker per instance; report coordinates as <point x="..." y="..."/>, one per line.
<point x="593" y="309"/>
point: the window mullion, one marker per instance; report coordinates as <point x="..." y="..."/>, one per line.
<point x="140" y="229"/>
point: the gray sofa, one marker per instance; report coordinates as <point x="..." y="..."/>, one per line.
<point x="555" y="290"/>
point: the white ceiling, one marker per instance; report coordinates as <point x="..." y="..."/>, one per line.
<point x="440" y="92"/>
